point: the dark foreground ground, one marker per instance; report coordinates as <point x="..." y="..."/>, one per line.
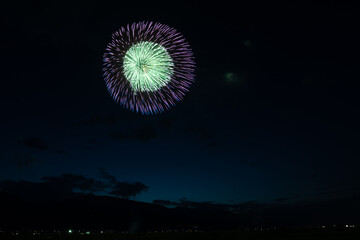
<point x="285" y="235"/>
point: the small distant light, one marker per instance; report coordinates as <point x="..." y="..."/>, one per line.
<point x="87" y="233"/>
<point x="346" y="225"/>
<point x="70" y="231"/>
<point x="102" y="232"/>
<point x="323" y="226"/>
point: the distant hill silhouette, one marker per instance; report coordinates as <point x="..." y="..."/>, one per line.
<point x="105" y="212"/>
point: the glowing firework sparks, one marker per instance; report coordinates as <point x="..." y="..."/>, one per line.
<point x="148" y="67"/>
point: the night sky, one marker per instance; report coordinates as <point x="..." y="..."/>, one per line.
<point x="273" y="114"/>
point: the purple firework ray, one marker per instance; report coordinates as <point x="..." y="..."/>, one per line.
<point x="166" y="93"/>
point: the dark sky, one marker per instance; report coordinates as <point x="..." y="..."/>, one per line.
<point x="273" y="113"/>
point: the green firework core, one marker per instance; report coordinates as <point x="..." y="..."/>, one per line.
<point x="147" y="66"/>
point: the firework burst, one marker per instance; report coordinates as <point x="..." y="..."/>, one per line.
<point x="148" y="67"/>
